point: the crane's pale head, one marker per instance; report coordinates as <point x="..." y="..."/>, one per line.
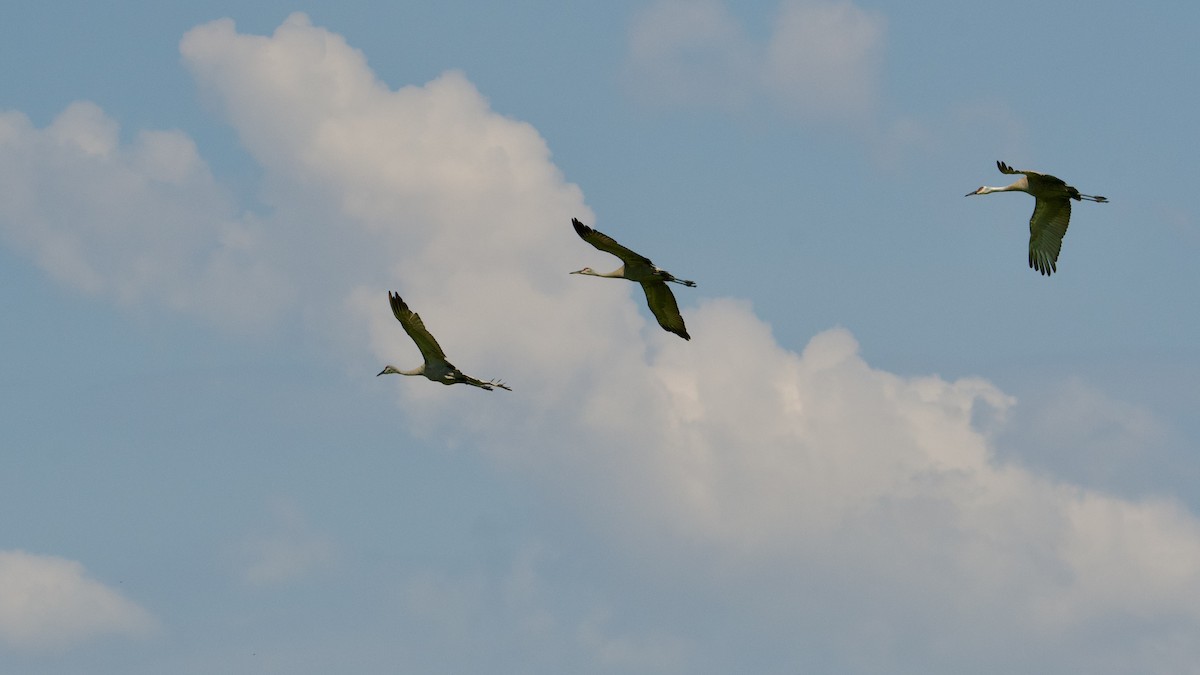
<point x="389" y="370"/>
<point x="980" y="191"/>
<point x="586" y="270"/>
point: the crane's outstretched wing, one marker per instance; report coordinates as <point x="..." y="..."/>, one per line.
<point x="430" y="350"/>
<point x="608" y="244"/>
<point x="1047" y="227"/>
<point x="1044" y="178"/>
<point x="1004" y="168"/>
<point x="662" y="304"/>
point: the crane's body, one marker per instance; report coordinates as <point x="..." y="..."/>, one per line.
<point x="435" y="367"/>
<point x="1051" y="212"/>
<point x="638" y="268"/>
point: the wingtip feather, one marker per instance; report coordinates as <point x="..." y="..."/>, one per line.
<point x="398" y="305"/>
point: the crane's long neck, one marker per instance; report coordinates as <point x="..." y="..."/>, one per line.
<point x="1019" y="186"/>
<point x="618" y="273"/>
<point x="393" y="370"/>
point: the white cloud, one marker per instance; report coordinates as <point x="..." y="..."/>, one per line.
<point x="48" y="602"/>
<point x="800" y="488"/>
<point x="821" y="59"/>
<point x="143" y="221"/>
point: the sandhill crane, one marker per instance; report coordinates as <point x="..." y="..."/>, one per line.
<point x="1051" y="213"/>
<point x="436" y="367"/>
<point x="639" y="268"/>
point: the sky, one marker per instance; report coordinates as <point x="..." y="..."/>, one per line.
<point x="889" y="446"/>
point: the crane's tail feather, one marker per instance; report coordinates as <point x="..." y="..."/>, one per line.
<point x="459" y="376"/>
<point x="488" y="384"/>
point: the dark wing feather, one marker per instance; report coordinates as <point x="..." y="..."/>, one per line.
<point x="1004" y="168"/>
<point x="608" y="244"/>
<point x="1036" y="179"/>
<point x="1047" y="227"/>
<point x="430" y="350"/>
<point x="662" y="303"/>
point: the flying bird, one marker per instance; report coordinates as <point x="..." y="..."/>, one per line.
<point x="638" y="268"/>
<point x="1051" y="213"/>
<point x="436" y="367"/>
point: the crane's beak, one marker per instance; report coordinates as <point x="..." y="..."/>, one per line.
<point x="973" y="192"/>
<point x="381" y="372"/>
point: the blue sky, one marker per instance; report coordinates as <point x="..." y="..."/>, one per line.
<point x="890" y="446"/>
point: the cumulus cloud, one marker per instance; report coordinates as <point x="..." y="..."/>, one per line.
<point x="801" y="487"/>
<point x="731" y="445"/>
<point x="48" y="602"/>
<point x="142" y="221"/>
<point x="820" y="60"/>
